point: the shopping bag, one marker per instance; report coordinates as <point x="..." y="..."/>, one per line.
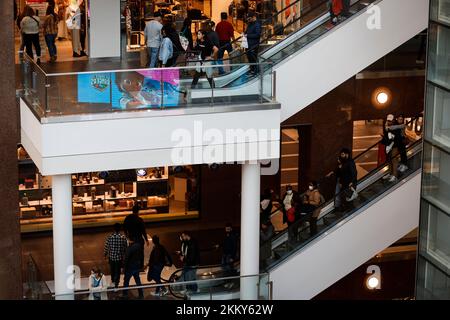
<point x="244" y="42"/>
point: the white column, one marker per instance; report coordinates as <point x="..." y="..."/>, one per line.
<point x="217" y="7"/>
<point x="104" y="31"/>
<point x="62" y="236"/>
<point x="250" y="226"/>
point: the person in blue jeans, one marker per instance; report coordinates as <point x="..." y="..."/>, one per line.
<point x="50" y="28"/>
<point x="132" y="266"/>
<point x="153" y="38"/>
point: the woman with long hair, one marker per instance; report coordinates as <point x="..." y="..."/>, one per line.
<point x="51" y="31"/>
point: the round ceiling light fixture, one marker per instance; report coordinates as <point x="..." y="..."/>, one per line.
<point x="382" y="97"/>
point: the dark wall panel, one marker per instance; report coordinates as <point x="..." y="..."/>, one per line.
<point x="10" y="257"/>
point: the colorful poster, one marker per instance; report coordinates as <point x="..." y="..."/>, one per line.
<point x="94" y="88"/>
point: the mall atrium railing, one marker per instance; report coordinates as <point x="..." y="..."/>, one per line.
<point x="74" y="93"/>
<point x="225" y="288"/>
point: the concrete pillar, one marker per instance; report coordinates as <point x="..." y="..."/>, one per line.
<point x="104" y="33"/>
<point x="63" y="237"/>
<point x="250" y="226"/>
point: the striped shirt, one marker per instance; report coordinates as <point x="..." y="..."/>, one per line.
<point x="115" y="247"/>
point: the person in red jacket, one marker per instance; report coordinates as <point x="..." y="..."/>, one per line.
<point x="336" y="7"/>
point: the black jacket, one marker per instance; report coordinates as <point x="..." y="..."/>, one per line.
<point x="230" y="244"/>
<point x="348" y="173"/>
<point x="135" y="228"/>
<point x="159" y="256"/>
<point x="253" y="33"/>
<point x="191" y="253"/>
<point x="133" y="257"/>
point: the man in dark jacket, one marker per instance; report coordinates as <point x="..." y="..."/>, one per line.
<point x="132" y="266"/>
<point x="134" y="228"/>
<point x="253" y="34"/>
<point x="229" y="249"/>
<point x="173" y="35"/>
<point x="190" y="256"/>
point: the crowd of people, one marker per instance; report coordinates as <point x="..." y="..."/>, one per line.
<point x="165" y="44"/>
<point x="125" y="255"/>
<point x="59" y="18"/>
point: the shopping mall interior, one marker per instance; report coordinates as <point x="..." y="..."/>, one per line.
<point x="249" y="132"/>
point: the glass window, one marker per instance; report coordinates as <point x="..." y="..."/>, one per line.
<point x="432" y="283"/>
<point x="435" y="236"/>
<point x="440" y="11"/>
<point x="438" y="116"/>
<point x="439" y="57"/>
<point x="436" y="175"/>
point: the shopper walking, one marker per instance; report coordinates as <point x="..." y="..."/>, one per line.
<point x="207" y="53"/>
<point x="336" y="7"/>
<point x="73" y="22"/>
<point x="153" y="37"/>
<point x="29" y="26"/>
<point x="337" y="173"/>
<point x="114" y="250"/>
<point x="399" y="128"/>
<point x="229" y="250"/>
<point x="177" y="47"/>
<point x="187" y="33"/>
<point x="50" y="27"/>
<point x="288" y="201"/>
<point x="349" y="176"/>
<point x="134" y="228"/>
<point x="225" y="31"/>
<point x="97" y="285"/>
<point x="392" y="139"/>
<point x="166" y="49"/>
<point x="132" y="266"/>
<point x="190" y="256"/>
<point x="158" y="259"/>
<point x="253" y="34"/>
<point x="266" y="205"/>
<point x="62" y="26"/>
<point x="311" y="202"/>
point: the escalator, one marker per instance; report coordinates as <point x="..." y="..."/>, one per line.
<point x="320" y="56"/>
<point x="301" y="264"/>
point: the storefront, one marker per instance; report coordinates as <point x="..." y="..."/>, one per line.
<point x="104" y="198"/>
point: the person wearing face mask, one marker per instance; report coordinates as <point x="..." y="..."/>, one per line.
<point x="288" y="201"/>
<point x="349" y="176"/>
<point x="311" y="202"/>
<point x="253" y="34"/>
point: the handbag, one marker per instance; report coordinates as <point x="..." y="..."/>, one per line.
<point x="244" y="42"/>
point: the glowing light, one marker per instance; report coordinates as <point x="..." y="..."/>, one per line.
<point x="382" y="97"/>
<point x="372" y="282"/>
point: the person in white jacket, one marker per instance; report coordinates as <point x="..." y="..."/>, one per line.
<point x="166" y="49"/>
<point x="97" y="285"/>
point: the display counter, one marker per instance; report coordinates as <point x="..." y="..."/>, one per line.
<point x="104" y="198"/>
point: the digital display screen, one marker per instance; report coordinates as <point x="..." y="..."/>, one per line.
<point x="131" y="89"/>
